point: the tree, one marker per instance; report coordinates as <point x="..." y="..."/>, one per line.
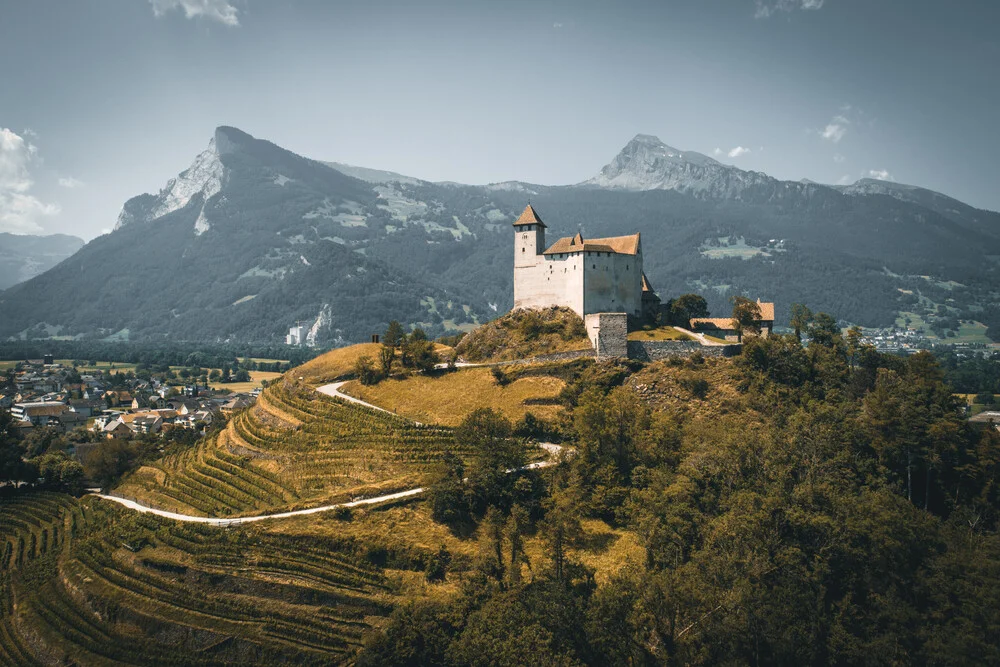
<point x="364" y="369"/>
<point x="824" y="330"/>
<point x="801" y="317"/>
<point x="109" y="460"/>
<point x="561" y="528"/>
<point x="447" y="496"/>
<point x="386" y="355"/>
<point x="12" y="466"/>
<point x="488" y="435"/>
<point x="418" y="635"/>
<point x="687" y="306"/>
<point x="514" y="530"/>
<point x="394" y="335"/>
<point x="59" y="471"/>
<point x="746" y="316"/>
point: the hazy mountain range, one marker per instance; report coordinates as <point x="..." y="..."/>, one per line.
<point x="252" y="238"/>
<point x="25" y="256"/>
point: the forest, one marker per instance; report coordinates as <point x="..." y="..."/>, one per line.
<point x="836" y="510"/>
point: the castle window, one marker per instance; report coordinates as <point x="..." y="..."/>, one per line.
<point x="522" y="249"/>
<point x="595" y="266"/>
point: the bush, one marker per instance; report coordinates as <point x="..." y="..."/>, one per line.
<point x="437" y="565"/>
<point x="366" y="371"/>
<point x="697" y="386"/>
<point x="499" y="376"/>
<point x="985" y="398"/>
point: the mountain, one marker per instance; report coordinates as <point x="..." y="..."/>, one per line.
<point x="252" y="238"/>
<point x="23" y="257"/>
<point x="247" y="241"/>
<point x="646" y="163"/>
<point x="968" y="216"/>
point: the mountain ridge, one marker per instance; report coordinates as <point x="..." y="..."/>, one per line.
<point x="252" y="237"/>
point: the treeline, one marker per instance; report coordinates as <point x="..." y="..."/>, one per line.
<point x="837" y="509"/>
<point x="974" y="374"/>
<point x="204" y="355"/>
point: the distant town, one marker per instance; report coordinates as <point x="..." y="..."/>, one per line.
<point x="121" y="402"/>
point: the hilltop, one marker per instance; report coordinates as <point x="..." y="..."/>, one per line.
<point x="525" y="333"/>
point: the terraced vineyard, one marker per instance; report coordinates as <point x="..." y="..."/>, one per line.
<point x="294" y="448"/>
<point x="134" y="589"/>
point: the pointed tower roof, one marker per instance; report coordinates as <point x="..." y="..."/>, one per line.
<point x="646" y="287"/>
<point x="529" y="217"/>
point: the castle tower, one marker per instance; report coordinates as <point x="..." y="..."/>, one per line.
<point x="529" y="240"/>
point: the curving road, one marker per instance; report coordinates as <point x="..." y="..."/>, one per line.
<point x="332" y="389"/>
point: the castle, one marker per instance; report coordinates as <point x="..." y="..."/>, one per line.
<point x="589" y="276"/>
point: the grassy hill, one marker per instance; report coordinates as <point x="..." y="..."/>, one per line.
<point x="447" y="398"/>
<point x="525" y="333"/>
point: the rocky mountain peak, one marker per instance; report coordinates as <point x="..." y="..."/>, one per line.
<point x="646" y="163"/>
<point x="204" y="176"/>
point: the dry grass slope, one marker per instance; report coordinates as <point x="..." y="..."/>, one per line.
<point x="333" y="365"/>
<point x="446" y="399"/>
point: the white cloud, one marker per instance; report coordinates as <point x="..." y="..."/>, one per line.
<point x="738" y="151"/>
<point x="557" y="25"/>
<point x="717" y="151"/>
<point x="767" y="9"/>
<point x="880" y="174"/>
<point x="70" y="182"/>
<point x="20" y="211"/>
<point x="835" y="129"/>
<point x="215" y="10"/>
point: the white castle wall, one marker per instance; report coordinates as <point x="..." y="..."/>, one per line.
<point x="612" y="283"/>
<point x="588" y="282"/>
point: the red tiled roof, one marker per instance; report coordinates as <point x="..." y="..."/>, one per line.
<point x="766" y="310"/>
<point x="529" y="217"/>
<point x="622" y="245"/>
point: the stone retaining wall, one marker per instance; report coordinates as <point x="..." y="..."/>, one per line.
<point x="653" y="350"/>
<point x="608" y="333"/>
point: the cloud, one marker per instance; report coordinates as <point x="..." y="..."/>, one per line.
<point x="835" y="129"/>
<point x="70" y="182"/>
<point x="738" y="151"/>
<point x="215" y="10"/>
<point x="557" y="25"/>
<point x="767" y="9"/>
<point x="20" y="211"/>
<point x="717" y="151"/>
<point x="880" y="174"/>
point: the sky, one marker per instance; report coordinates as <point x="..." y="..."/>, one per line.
<point x="101" y="100"/>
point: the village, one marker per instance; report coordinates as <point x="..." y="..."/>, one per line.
<point x="45" y="393"/>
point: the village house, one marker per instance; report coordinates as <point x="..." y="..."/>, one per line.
<point x="725" y="328"/>
<point x="39" y="413"/>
